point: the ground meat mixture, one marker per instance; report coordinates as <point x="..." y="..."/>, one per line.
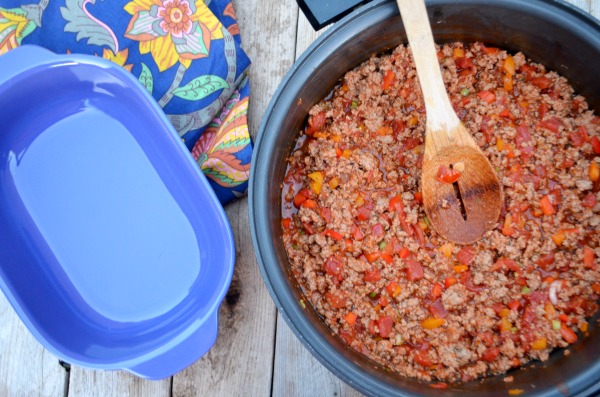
<point x="363" y="250"/>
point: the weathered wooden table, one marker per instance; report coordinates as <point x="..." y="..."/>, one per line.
<point x="256" y="354"/>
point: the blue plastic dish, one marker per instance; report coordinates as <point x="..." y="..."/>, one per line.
<point x="114" y="250"/>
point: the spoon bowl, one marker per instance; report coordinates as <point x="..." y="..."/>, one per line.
<point x="464" y="208"/>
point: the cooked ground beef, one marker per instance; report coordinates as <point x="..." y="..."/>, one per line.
<point x="363" y="251"/>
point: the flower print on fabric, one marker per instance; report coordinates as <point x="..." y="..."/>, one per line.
<point x="14" y="26"/>
<point x="172" y="30"/>
<point x="186" y="53"/>
<point x="216" y="150"/>
<point x="120" y="58"/>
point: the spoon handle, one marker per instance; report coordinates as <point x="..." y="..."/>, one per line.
<point x="440" y="114"/>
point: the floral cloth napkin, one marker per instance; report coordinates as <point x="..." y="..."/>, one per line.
<point x="186" y="53"/>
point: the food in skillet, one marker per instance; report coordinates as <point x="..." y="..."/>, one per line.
<point x="366" y="258"/>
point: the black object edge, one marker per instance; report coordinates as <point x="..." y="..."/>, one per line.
<point x="321" y="13"/>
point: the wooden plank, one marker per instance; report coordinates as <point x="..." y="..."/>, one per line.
<point x="241" y="361"/>
<point x="297" y="372"/>
<point x="92" y="383"/>
<point x="26" y="368"/>
<point x="583" y="4"/>
<point x="595" y="8"/>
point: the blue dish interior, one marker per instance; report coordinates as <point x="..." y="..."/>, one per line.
<point x="113" y="248"/>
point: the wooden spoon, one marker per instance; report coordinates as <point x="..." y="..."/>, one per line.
<point x="464" y="210"/>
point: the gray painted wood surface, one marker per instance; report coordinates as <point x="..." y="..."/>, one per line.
<point x="256" y="354"/>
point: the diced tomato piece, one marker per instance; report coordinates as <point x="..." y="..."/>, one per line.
<point x="385" y="324"/>
<point x="523" y="135"/>
<point x="522" y="281"/>
<point x="364" y="213"/>
<point x="528" y="70"/>
<point x="491" y="354"/>
<point x="333" y="234"/>
<point x="505" y="113"/>
<point x="404" y="253"/>
<point x="396" y="205"/>
<point x="552" y="124"/>
<point x="588" y="258"/>
<point x="325" y="214"/>
<point x="372" y="257"/>
<point x="589" y="201"/>
<point x="487" y="96"/>
<point x="466" y="255"/>
<point x="393" y="289"/>
<point x="466" y="279"/>
<point x="450" y="281"/>
<point x="545" y="260"/>
<point x="436" y="290"/>
<point x="546" y="206"/>
<point x="388" y="79"/>
<point x="419" y="234"/>
<point x="371" y="328"/>
<point x="377" y="230"/>
<point x="357" y="233"/>
<point x="383" y="301"/>
<point x="487" y="338"/>
<point x="505" y="263"/>
<point x="299" y="199"/>
<point x="350" y="318"/>
<point x="372" y="275"/>
<point x="419" y="197"/>
<point x="335" y="299"/>
<point x="415" y="270"/>
<point x="391" y="246"/>
<point x="513" y="305"/>
<point x="422" y="358"/>
<point x="486" y="129"/>
<point x="334" y="267"/>
<point x="507" y="228"/>
<point x="308" y="228"/>
<point x="317" y="121"/>
<point x="566" y="163"/>
<point x="490" y="50"/>
<point x="541" y="82"/>
<point x="286" y="223"/>
<point x="312" y="204"/>
<point x="346" y="336"/>
<point x="497" y="307"/>
<point x="447" y="175"/>
<point x="464" y="63"/>
<point x="542" y="110"/>
<point x="595" y="144"/>
<point x="397" y="127"/>
<point x="579" y="136"/>
<point x="567" y="334"/>
<point x="387" y="258"/>
<point x="555" y="196"/>
<point x="411" y="143"/>
<point x="437" y="309"/>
